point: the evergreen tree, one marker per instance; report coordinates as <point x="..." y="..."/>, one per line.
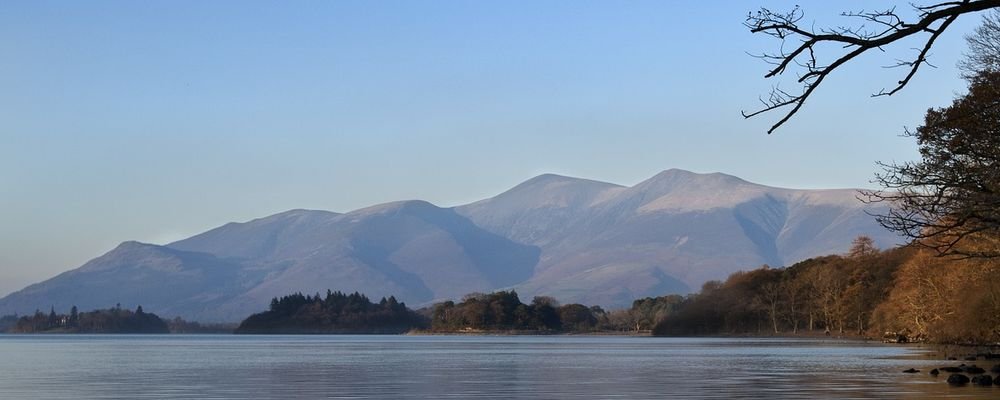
<point x="74" y="317"/>
<point x="53" y="320"/>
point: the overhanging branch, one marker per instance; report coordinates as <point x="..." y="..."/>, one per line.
<point x="933" y="19"/>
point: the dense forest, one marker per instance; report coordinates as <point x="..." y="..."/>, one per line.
<point x="503" y="311"/>
<point x="903" y="294"/>
<point x="500" y="311"/>
<point x="335" y="313"/>
<point x="43" y="323"/>
<point x="113" y="320"/>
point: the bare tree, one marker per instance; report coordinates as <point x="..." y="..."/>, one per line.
<point x="769" y="299"/>
<point x="793" y="289"/>
<point x="984" y="47"/>
<point x="862" y="247"/>
<point x="876" y="30"/>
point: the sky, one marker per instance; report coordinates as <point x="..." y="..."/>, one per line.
<point x="156" y="120"/>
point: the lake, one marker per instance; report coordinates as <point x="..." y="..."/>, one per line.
<point x="462" y="367"/>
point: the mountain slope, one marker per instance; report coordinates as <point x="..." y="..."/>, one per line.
<point x="575" y="239"/>
<point x="170" y="281"/>
<point x="669" y="233"/>
<point x="413" y="250"/>
<point x="260" y="238"/>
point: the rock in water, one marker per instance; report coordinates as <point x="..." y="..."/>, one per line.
<point x="958" y="379"/>
<point x="982" y="380"/>
<point x="911" y="371"/>
<point x="974" y="370"/>
<point x="935" y="372"/>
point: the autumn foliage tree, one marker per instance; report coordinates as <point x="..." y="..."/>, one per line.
<point x="835" y="294"/>
<point x="943" y="300"/>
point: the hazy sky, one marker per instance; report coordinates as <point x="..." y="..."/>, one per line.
<point x="154" y="121"/>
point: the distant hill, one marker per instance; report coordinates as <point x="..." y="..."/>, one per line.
<point x="574" y="239"/>
<point x="164" y="280"/>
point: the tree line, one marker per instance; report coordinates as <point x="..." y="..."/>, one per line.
<point x="503" y="311"/>
<point x="500" y="311"/>
<point x="902" y="294"/>
<point x="337" y="312"/>
<point x="112" y="320"/>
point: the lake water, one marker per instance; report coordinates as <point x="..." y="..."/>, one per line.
<point x="461" y="367"/>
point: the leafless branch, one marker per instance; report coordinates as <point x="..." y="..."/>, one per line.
<point x="877" y="29"/>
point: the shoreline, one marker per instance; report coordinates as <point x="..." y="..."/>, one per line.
<point x="522" y="333"/>
<point x="950" y="349"/>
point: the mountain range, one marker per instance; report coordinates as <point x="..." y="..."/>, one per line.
<point x="574" y="239"/>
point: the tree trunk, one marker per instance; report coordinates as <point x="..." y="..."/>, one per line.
<point x="774" y="317"/>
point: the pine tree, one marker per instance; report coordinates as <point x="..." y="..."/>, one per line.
<point x="74" y="317"/>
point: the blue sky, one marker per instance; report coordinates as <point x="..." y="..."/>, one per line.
<point x="157" y="120"/>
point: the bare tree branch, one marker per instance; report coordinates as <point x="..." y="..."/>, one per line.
<point x="890" y="28"/>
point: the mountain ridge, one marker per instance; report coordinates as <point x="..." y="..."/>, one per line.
<point x="576" y="239"/>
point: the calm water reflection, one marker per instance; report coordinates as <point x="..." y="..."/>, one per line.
<point x="459" y="367"/>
